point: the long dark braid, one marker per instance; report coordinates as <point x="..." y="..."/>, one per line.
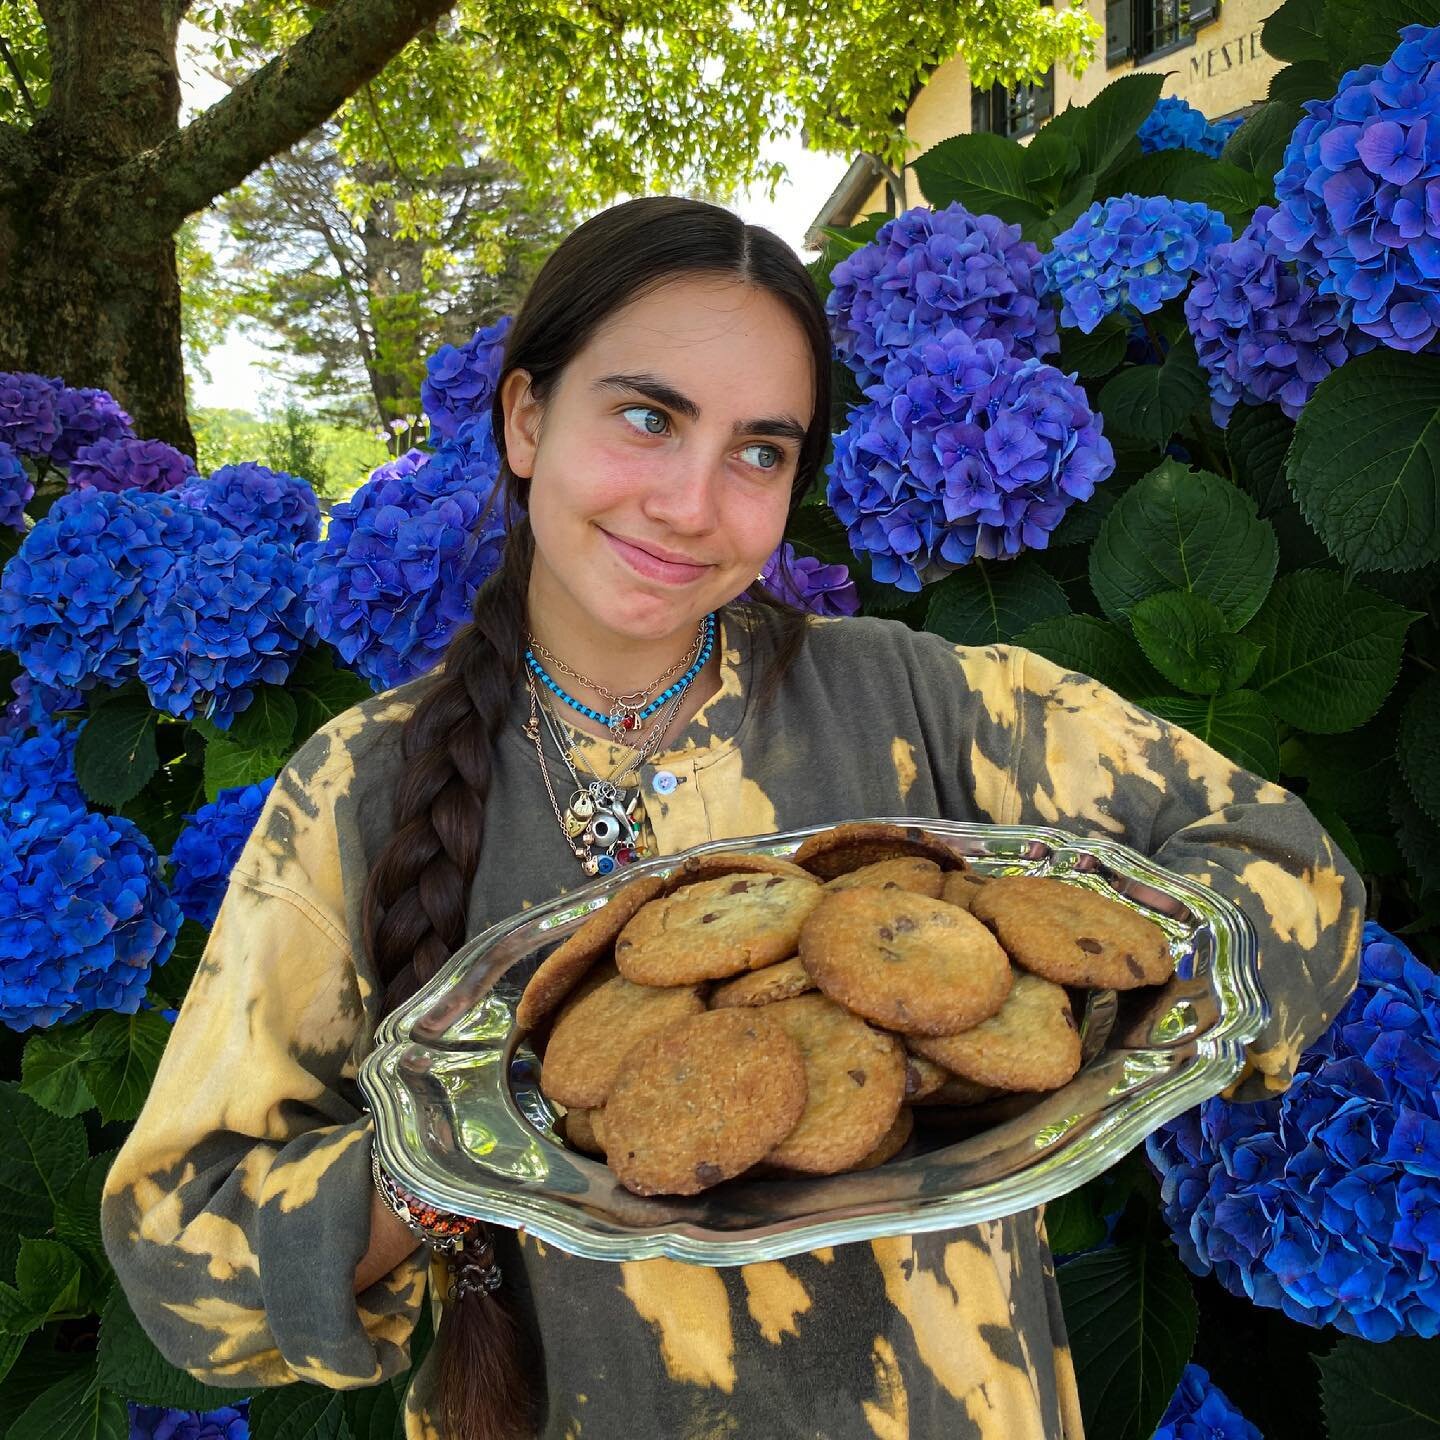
<point x="416" y="895"/>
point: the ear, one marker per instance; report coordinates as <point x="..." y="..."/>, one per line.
<point x="522" y="422"/>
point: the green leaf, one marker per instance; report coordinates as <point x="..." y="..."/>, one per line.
<point x="52" y="1068"/>
<point x="115" y="755"/>
<point x="1296" y="31"/>
<point x="1381" y="1392"/>
<point x="1132" y="1320"/>
<point x="77" y="1215"/>
<point x="10" y="1348"/>
<point x="322" y="690"/>
<point x="299" y="1412"/>
<point x="1332" y="651"/>
<point x="377" y="1412"/>
<point x="1150" y="174"/>
<point x="47" y="1275"/>
<point x="39" y="1367"/>
<point x="267" y="723"/>
<point x="1107" y="123"/>
<point x="1302" y="81"/>
<point x="1072" y="1223"/>
<point x="1042" y="232"/>
<point x="1240" y="725"/>
<point x="1152" y="401"/>
<point x="227" y="764"/>
<point x="1088" y="646"/>
<point x="1365" y="462"/>
<point x="1180" y="529"/>
<point x="1259" y="144"/>
<point x="75" y="1409"/>
<point x="1236" y="193"/>
<point x="1049" y="160"/>
<point x="125" y="1052"/>
<point x="130" y="1363"/>
<point x="171" y="981"/>
<point x="989" y="602"/>
<point x="39" y="1155"/>
<point x="1418" y="837"/>
<point x="1097" y="353"/>
<point x="1187" y="640"/>
<point x="1419" y="749"/>
<point x="984" y="172"/>
<point x="1256" y="442"/>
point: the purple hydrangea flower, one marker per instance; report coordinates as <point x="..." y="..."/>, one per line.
<point x="395" y="575"/>
<point x="1200" y="1410"/>
<point x="460" y="381"/>
<point x="930" y="271"/>
<point x="1325" y="1202"/>
<point x="1359" y="199"/>
<point x="962" y="450"/>
<point x="1262" y="332"/>
<point x="403" y="465"/>
<point x="16" y="488"/>
<point x="128" y="464"/>
<point x="28" y="423"/>
<point x="252" y="499"/>
<point x="37" y="772"/>
<point x="86" y="416"/>
<point x="1175" y="124"/>
<point x="207" y="848"/>
<point x="230" y="614"/>
<point x="814" y="586"/>
<point x="84" y="917"/>
<point x="1129" y="250"/>
<point x="155" y="1422"/>
<point x="73" y="597"/>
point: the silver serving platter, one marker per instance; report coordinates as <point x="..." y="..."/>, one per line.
<point x="460" y="1120"/>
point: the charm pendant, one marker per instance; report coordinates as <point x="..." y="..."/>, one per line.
<point x="603" y="819"/>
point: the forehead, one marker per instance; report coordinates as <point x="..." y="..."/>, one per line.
<point x="726" y="345"/>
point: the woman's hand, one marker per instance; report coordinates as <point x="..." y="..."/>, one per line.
<point x="390" y="1243"/>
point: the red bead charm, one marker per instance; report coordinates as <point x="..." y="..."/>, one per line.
<point x="629" y="723"/>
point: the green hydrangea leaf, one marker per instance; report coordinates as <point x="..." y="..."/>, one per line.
<point x="990" y="602"/>
<point x="125" y="1052"/>
<point x="1097" y="353"/>
<point x="1179" y="529"/>
<point x="1234" y="192"/>
<point x="40" y="1154"/>
<point x="49" y="1279"/>
<point x="228" y="764"/>
<point x="77" y="1408"/>
<point x="1259" y="144"/>
<point x="1296" y="31"/>
<point x="1152" y="401"/>
<point x="115" y="755"/>
<point x="1107" y="124"/>
<point x="299" y="1412"/>
<point x="267" y="722"/>
<point x="1419" y="748"/>
<point x="1239" y="725"/>
<point x="1381" y="1392"/>
<point x="985" y="173"/>
<point x="1418" y="837"/>
<point x="1186" y="639"/>
<point x="1090" y="646"/>
<point x="52" y="1068"/>
<point x="1256" y="443"/>
<point x="1365" y="461"/>
<point x="1331" y="651"/>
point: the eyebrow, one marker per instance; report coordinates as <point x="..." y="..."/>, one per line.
<point x="657" y="390"/>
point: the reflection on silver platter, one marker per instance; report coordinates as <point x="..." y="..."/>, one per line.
<point x="460" y="1120"/>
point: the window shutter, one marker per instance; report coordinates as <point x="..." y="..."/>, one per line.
<point x="1045" y="97"/>
<point x="980" y="117"/>
<point x="1202" y="12"/>
<point x="1118" y="26"/>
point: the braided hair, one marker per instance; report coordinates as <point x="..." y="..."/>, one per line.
<point x="415" y="900"/>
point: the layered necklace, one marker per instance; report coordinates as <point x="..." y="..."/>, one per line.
<point x="603" y="819"/>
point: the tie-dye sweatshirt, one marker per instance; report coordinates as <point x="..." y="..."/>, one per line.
<point x="238" y="1209"/>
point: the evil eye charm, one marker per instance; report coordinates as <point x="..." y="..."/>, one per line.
<point x="604" y="864"/>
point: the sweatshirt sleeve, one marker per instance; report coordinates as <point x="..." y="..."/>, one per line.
<point x="1048" y="746"/>
<point x="238" y="1209"/>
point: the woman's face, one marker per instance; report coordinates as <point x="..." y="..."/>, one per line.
<point x="676" y="428"/>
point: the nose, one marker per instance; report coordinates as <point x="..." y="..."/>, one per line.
<point x="685" y="498"/>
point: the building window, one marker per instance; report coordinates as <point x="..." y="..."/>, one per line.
<point x="1013" y="112"/>
<point x="1141" y="29"/>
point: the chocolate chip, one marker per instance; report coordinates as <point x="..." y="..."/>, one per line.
<point x="1089" y="946"/>
<point x="858" y="1076"/>
<point x="1134" y="966"/>
<point x="775" y="880"/>
<point x="740" y="887"/>
<point x="708" y="1174"/>
<point x="904" y="923"/>
<point x="886" y="933"/>
<point x="706" y="919"/>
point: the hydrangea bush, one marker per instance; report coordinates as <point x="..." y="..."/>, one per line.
<point x="1175" y="124"/>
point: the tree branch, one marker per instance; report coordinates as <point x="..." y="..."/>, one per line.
<point x="274" y="107"/>
<point x="18" y="78"/>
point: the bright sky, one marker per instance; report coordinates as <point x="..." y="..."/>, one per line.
<point x="238" y="383"/>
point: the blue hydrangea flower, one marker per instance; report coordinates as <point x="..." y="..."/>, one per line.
<point x="460" y="381"/>
<point x="37" y="771"/>
<point x="128" y="464"/>
<point x="1325" y="1202"/>
<point x="86" y="416"/>
<point x="406" y="464"/>
<point x="230" y="614"/>
<point x="929" y="271"/>
<point x="1200" y="1410"/>
<point x="1359" y="205"/>
<point x="84" y="917"/>
<point x="73" y="596"/>
<point x="1129" y="251"/>
<point x="155" y="1422"/>
<point x="1262" y="331"/>
<point x="32" y="703"/>
<point x="962" y="450"/>
<point x="208" y="846"/>
<point x="395" y="575"/>
<point x="28" y="423"/>
<point x="1175" y="124"/>
<point x="813" y="585"/>
<point x="16" y="488"/>
<point x="252" y="499"/>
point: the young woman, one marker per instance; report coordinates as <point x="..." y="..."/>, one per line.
<point x="663" y="408"/>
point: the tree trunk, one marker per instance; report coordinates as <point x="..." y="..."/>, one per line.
<point x="91" y="196"/>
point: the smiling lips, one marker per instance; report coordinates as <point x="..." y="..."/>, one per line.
<point x="653" y="567"/>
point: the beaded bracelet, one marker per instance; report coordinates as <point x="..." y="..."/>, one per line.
<point x="440" y="1229"/>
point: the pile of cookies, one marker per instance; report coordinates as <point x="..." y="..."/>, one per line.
<point x="781" y="1017"/>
